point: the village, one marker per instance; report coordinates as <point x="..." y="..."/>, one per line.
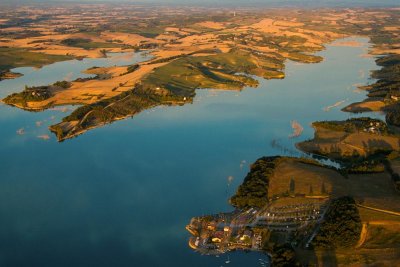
<point x="251" y="228"/>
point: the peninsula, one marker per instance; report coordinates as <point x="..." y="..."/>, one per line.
<point x="194" y="49"/>
<point x="302" y="213"/>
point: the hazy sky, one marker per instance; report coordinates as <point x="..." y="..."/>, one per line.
<point x="241" y="2"/>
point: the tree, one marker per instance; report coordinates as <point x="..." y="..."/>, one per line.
<point x="323" y="189"/>
<point x="292" y="186"/>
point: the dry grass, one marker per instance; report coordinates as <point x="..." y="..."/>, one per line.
<point x="93" y="90"/>
<point x="374" y="190"/>
<point x="304" y="176"/>
<point x="211" y="25"/>
<point x="385" y="234"/>
<point x="367" y="105"/>
<point x="331" y="142"/>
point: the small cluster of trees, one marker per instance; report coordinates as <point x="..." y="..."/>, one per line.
<point x="393" y="115"/>
<point x="75" y="41"/>
<point x="131" y="68"/>
<point x="62" y="84"/>
<point x="367" y="166"/>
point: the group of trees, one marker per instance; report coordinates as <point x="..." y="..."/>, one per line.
<point x="62" y="84"/>
<point x="132" y="68"/>
<point x="395" y="176"/>
<point x="353" y="125"/>
<point x="253" y="192"/>
<point x="75" y="41"/>
<point x="372" y="164"/>
<point x="341" y="226"/>
<point x="283" y="256"/>
<point x="393" y="115"/>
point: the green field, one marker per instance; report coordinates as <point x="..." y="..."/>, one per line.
<point x="19" y="57"/>
<point x="185" y="74"/>
<point x="88" y="44"/>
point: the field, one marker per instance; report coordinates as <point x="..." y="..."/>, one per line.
<point x="19" y="57"/>
<point x="380" y="248"/>
<point x="385" y="257"/>
<point x="306" y="179"/>
<point x="184" y="75"/>
<point x="339" y="144"/>
<point x="379" y="243"/>
<point x="368" y="215"/>
<point x="382" y="234"/>
<point x="373" y="190"/>
<point x="88" y="44"/>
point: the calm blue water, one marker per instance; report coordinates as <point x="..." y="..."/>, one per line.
<point x="121" y="195"/>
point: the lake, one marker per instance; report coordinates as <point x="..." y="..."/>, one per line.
<point x="121" y="195"/>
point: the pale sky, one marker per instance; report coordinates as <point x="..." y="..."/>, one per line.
<point x="239" y="2"/>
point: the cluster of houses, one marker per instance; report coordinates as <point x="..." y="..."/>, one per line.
<point x="218" y="236"/>
<point x="243" y="229"/>
<point x="374" y="127"/>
